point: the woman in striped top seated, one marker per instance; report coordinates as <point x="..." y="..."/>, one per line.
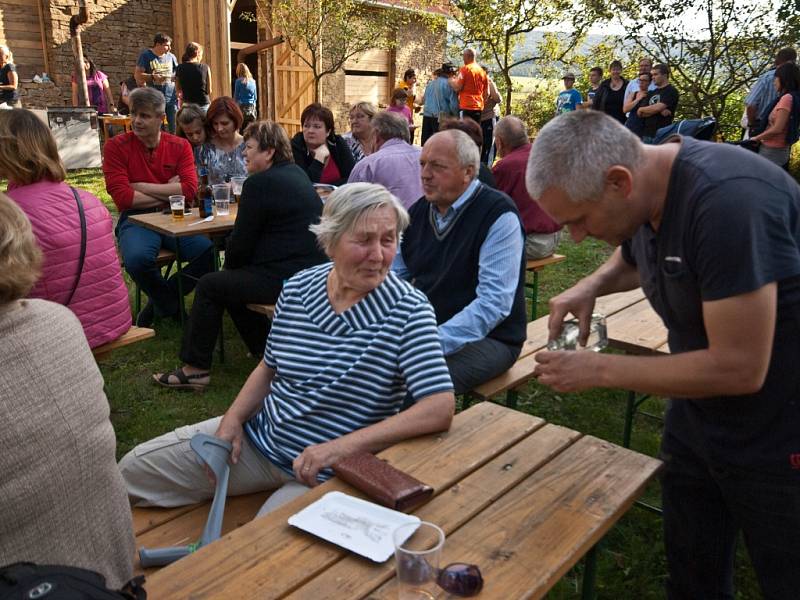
<point x="350" y="341"/>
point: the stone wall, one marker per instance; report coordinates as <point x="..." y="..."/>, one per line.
<point x="114" y="36"/>
<point x="42" y="95"/>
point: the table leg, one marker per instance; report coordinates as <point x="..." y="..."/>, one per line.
<point x="181" y="303"/>
<point x="589" y="574"/>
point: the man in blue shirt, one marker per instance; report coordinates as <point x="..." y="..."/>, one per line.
<point x="463" y="249"/>
<point x="439" y="101"/>
<point x="156" y="68"/>
<point x="759" y="101"/>
<point x="569" y="99"/>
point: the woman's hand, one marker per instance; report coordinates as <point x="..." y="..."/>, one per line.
<point x="231" y="430"/>
<point x="322" y="153"/>
<point x="317" y="457"/>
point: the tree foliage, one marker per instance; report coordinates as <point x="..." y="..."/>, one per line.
<point x="325" y="34"/>
<point x="715" y="48"/>
<point x="498" y="27"/>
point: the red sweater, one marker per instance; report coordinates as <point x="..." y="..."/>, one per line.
<point x="509" y="175"/>
<point x="126" y="160"/>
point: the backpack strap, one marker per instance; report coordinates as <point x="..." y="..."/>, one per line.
<point x="82" y="257"/>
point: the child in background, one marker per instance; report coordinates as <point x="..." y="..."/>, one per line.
<point x="400" y="106"/>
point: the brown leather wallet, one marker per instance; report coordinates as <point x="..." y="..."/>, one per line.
<point x="382" y="482"/>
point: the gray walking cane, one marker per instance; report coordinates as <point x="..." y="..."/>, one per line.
<point x="215" y="453"/>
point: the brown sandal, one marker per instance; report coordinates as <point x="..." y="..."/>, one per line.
<point x="185" y="382"/>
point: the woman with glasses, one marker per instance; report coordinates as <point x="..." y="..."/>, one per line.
<point x="359" y="138"/>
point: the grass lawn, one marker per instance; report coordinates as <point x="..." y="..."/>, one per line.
<point x="631" y="559"/>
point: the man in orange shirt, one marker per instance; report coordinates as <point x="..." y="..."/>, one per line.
<point x="470" y="85"/>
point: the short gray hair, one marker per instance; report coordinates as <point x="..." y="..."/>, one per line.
<point x="574" y="151"/>
<point x="348" y="204"/>
<point x="147" y="98"/>
<point x="512" y="131"/>
<point x="389" y="126"/>
<point x="467" y="151"/>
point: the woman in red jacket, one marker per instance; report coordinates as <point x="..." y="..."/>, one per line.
<point x="93" y="289"/>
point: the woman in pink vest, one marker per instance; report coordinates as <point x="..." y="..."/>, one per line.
<point x="93" y="290"/>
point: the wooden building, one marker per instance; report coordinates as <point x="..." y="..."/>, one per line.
<point x="37" y="31"/>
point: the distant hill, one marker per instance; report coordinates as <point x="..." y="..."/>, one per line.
<point x="534" y="38"/>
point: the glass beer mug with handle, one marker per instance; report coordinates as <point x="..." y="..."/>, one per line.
<point x="570" y="330"/>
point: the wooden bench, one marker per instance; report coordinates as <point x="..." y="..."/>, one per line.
<point x="160" y="527"/>
<point x="133" y="335"/>
<point x="264" y="309"/>
<point x="522" y="370"/>
<point x="534" y="266"/>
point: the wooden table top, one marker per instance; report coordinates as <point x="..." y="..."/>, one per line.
<point x="166" y="225"/>
<point x="521" y="498"/>
<point x="637" y="329"/>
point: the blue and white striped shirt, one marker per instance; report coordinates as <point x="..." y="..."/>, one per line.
<point x="336" y="373"/>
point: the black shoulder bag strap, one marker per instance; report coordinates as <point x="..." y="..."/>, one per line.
<point x="82" y="258"/>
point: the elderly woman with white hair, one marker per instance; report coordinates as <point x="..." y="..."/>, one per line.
<point x="350" y="341"/>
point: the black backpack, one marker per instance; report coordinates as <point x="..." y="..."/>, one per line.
<point x="29" y="581"/>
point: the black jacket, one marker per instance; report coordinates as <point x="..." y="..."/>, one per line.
<point x="340" y="154"/>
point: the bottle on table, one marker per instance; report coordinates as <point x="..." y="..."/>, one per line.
<point x="205" y="199"/>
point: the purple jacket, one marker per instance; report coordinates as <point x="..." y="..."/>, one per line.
<point x="101" y="300"/>
<point x="396" y="167"/>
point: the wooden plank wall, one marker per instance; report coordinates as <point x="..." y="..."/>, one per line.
<point x="294" y="88"/>
<point x="20" y="30"/>
<point x="206" y="22"/>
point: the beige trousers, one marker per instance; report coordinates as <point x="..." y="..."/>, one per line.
<point x="165" y="471"/>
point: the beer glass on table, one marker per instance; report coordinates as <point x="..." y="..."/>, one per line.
<point x="176" y="205"/>
<point x="236" y="187"/>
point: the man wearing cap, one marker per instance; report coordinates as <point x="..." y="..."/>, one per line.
<point x="440" y="101"/>
<point x="569" y="99"/>
<point x="471" y="85"/>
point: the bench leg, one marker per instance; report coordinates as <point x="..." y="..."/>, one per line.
<point x="535" y="296"/>
<point x="511" y="399"/>
<point x="589" y="574"/>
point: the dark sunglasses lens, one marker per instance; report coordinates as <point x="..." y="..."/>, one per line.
<point x="461" y="579"/>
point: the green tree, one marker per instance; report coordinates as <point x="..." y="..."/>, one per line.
<point x="327" y="33"/>
<point x="715" y="48"/>
<point x="499" y="26"/>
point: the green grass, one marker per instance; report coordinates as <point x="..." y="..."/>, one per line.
<point x="631" y="558"/>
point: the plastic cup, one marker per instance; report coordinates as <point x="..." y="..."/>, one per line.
<point x="222" y="198"/>
<point x="417" y="549"/>
<point x="176" y="206"/>
<point x="236" y="187"/>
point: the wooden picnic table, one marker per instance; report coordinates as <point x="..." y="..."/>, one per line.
<point x="190" y="225"/>
<point x="521" y="498"/>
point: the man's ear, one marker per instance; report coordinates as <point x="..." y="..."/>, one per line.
<point x="619" y="180"/>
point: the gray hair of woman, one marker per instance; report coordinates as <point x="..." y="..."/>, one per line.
<point x="574" y="151"/>
<point x="20" y="257"/>
<point x="351" y="203"/>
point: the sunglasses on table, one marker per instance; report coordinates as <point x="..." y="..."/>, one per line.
<point x="459" y="579"/>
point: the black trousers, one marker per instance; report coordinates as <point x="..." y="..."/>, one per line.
<point x="232" y="291"/>
<point x="430" y="125"/>
<point x="475" y="115"/>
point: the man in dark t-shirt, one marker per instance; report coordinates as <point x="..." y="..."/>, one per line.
<point x="712" y="235"/>
<point x="662" y="103"/>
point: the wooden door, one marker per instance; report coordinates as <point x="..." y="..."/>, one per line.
<point x="206" y="22"/>
<point x="293" y="82"/>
